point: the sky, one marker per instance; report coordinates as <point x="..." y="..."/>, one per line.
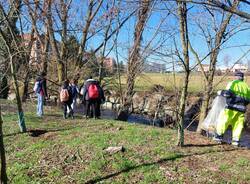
<point x="233" y="49"/>
<point x="166" y="36"/>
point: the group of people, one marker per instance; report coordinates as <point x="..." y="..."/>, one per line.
<point x="91" y="94"/>
<point x="237" y="96"/>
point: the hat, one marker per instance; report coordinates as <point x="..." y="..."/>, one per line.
<point x="239" y="74"/>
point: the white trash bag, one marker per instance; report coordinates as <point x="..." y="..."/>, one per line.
<point x="210" y="122"/>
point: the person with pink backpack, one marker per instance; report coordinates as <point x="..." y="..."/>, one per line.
<point x="66" y="99"/>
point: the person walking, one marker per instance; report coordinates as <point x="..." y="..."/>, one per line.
<point x="75" y="91"/>
<point x="100" y="100"/>
<point x="40" y="89"/>
<point x="66" y="99"/>
<point x="237" y="96"/>
<point x="90" y="92"/>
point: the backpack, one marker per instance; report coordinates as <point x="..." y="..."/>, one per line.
<point x="93" y="91"/>
<point x="38" y="87"/>
<point x="64" y="95"/>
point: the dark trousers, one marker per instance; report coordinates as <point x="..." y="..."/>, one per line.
<point x="65" y="105"/>
<point x="91" y="108"/>
<point x="98" y="108"/>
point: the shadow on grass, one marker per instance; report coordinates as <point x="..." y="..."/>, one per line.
<point x="54" y="115"/>
<point x="38" y="132"/>
<point x="200" y="145"/>
<point x="172" y="158"/>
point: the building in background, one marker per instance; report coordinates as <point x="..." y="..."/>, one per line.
<point x="110" y="64"/>
<point x="153" y="67"/>
<point x="204" y="66"/>
<point x="36" y="48"/>
<point x="239" y="68"/>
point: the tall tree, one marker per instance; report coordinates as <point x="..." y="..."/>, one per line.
<point x="93" y="8"/>
<point x="182" y="13"/>
<point x="215" y="47"/>
<point x="108" y="18"/>
<point x="134" y="60"/>
<point x="10" y="40"/>
<point x="53" y="43"/>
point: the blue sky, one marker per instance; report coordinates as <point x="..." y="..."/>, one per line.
<point x="170" y="26"/>
<point x="233" y="49"/>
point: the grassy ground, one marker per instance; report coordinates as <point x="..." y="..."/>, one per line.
<point x="196" y="84"/>
<point x="72" y="151"/>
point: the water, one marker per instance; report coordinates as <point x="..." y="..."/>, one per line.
<point x="140" y="119"/>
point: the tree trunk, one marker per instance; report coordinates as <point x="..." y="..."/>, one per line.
<point x="45" y="53"/>
<point x="60" y="64"/>
<point x="21" y="120"/>
<point x="182" y="110"/>
<point x="11" y="52"/>
<point x="135" y="61"/>
<point x="26" y="85"/>
<point x="4" y="87"/>
<point x="182" y="11"/>
<point x="4" y="178"/>
<point x="63" y="51"/>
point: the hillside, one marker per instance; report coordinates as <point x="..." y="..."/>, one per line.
<point x="72" y="151"/>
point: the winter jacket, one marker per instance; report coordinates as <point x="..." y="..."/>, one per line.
<point x="84" y="90"/>
<point x="237" y="95"/>
<point x="41" y="84"/>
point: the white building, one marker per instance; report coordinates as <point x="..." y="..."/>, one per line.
<point x="204" y="66"/>
<point x="239" y="68"/>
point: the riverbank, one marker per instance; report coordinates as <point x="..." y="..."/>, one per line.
<point x="72" y="151"/>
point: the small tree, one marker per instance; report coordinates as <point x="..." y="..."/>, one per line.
<point x="182" y="12"/>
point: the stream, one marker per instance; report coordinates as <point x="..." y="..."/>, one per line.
<point x="141" y="119"/>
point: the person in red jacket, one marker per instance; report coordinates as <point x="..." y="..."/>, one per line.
<point x="92" y="97"/>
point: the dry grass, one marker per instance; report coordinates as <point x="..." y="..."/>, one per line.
<point x="196" y="84"/>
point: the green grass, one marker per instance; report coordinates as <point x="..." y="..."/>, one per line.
<point x="72" y="151"/>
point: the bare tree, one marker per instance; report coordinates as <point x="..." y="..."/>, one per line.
<point x="53" y="43"/>
<point x="214" y="45"/>
<point x="10" y="38"/>
<point x="134" y="60"/>
<point x="93" y="9"/>
<point x="182" y="12"/>
<point x="109" y="17"/>
<point x="226" y="5"/>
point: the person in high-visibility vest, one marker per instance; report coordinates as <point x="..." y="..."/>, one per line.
<point x="237" y="96"/>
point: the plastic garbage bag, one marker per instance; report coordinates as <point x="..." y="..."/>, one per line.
<point x="210" y="122"/>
